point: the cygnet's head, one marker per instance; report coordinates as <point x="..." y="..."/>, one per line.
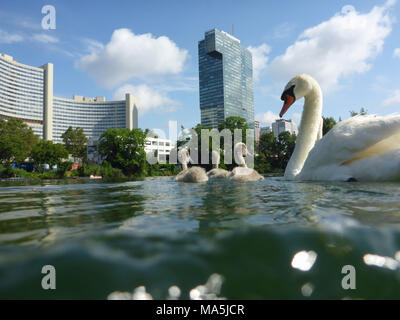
<point x="215" y="158"/>
<point x="184" y="156"/>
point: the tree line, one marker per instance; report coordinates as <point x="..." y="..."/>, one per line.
<point x="123" y="150"/>
<point x="18" y="143"/>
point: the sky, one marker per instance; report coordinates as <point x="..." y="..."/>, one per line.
<point x="149" y="49"/>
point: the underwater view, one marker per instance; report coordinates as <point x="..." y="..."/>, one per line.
<point x="157" y="238"/>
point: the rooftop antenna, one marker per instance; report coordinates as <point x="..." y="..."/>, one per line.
<point x="233" y="33"/>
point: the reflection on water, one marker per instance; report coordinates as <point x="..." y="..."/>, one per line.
<point x="267" y="239"/>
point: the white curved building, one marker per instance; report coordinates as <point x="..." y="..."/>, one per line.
<point x="22" y="93"/>
<point x="26" y="93"/>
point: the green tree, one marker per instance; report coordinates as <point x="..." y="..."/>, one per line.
<point x="266" y="153"/>
<point x="124" y="149"/>
<point x="362" y="112"/>
<point x="233" y="123"/>
<point x="274" y="154"/>
<point x="285" y="147"/>
<point x="16" y="141"/>
<point x="75" y="142"/>
<point x="198" y="128"/>
<point x="150" y="133"/>
<point x="328" y="124"/>
<point x="48" y="152"/>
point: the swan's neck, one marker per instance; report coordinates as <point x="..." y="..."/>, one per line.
<point x="240" y="159"/>
<point x="215" y="166"/>
<point x="308" y="132"/>
<point x="184" y="166"/>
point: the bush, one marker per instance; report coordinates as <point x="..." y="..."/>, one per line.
<point x="105" y="170"/>
<point x="62" y="168"/>
<point x="52" y="174"/>
<point x="9" y="172"/>
<point x="89" y="169"/>
<point x="5" y="171"/>
<point x="108" y="171"/>
<point x="160" y="169"/>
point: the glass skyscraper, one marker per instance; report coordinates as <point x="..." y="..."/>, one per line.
<point x="225" y="79"/>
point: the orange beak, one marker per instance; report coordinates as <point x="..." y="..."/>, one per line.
<point x="287" y="103"/>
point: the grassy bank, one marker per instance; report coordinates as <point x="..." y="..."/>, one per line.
<point x="104" y="170"/>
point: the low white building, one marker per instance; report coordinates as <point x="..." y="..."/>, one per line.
<point x="282" y="125"/>
<point x="161" y="146"/>
<point x="265" y="130"/>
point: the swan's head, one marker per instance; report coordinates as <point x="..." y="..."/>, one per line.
<point x="215" y="154"/>
<point x="184" y="156"/>
<point x="215" y="157"/>
<point x="296" y="89"/>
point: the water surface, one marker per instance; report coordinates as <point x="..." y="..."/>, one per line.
<point x="116" y="236"/>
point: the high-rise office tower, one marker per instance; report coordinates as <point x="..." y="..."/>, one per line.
<point x="225" y="78"/>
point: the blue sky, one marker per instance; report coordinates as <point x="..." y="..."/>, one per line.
<point x="149" y="48"/>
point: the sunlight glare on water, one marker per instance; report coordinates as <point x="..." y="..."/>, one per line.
<point x="304" y="260"/>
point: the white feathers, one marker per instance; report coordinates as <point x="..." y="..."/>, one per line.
<point x="364" y="147"/>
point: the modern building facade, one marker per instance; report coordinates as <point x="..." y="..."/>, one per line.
<point x="27" y="93"/>
<point x="22" y="93"/>
<point x="265" y="130"/>
<point x="282" y="125"/>
<point x="93" y="115"/>
<point x="161" y="146"/>
<point x="225" y="79"/>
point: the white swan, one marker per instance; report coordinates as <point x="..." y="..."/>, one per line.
<point x="217" y="173"/>
<point x="362" y="148"/>
<point x="243" y="173"/>
<point x="193" y="174"/>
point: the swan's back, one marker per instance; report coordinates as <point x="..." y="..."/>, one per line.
<point x="244" y="174"/>
<point x="353" y="146"/>
<point x="193" y="174"/>
<point x="218" y="173"/>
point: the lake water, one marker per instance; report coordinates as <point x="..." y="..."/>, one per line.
<point x="268" y="239"/>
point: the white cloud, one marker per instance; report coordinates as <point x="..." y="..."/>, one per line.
<point x="260" y="58"/>
<point x="283" y="30"/>
<point x="394" y="99"/>
<point x="128" y="55"/>
<point x="267" y="118"/>
<point x="92" y="45"/>
<point x="338" y="47"/>
<point x="44" y="38"/>
<point x="148" y="98"/>
<point x="20" y="20"/>
<point x="396" y="53"/>
<point x="6" y="37"/>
